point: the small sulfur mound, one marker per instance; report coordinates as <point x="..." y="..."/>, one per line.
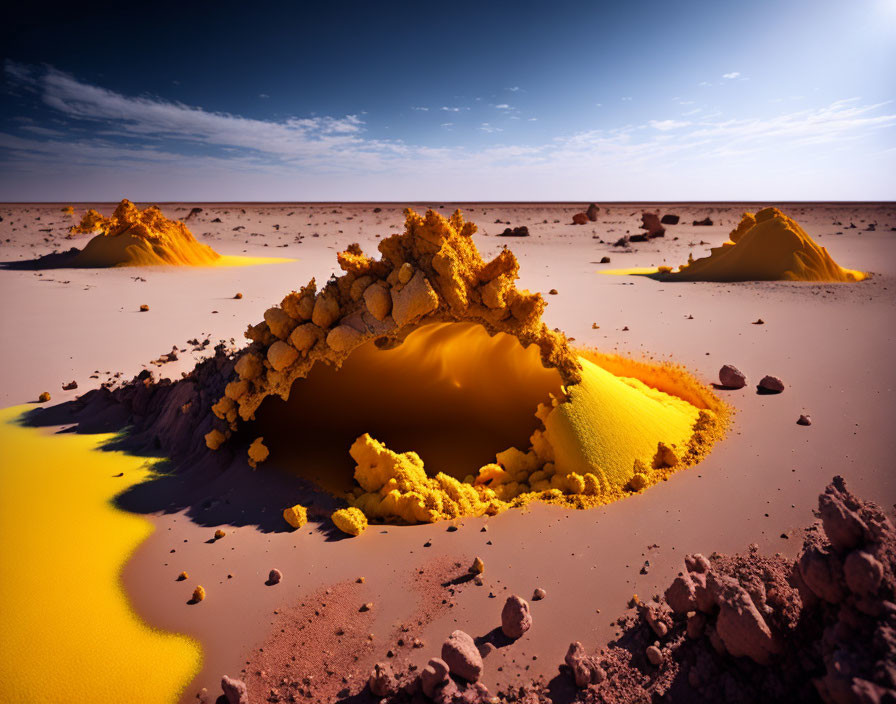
<point x="350" y="520"/>
<point x="198" y="594"/>
<point x="134" y="237"/>
<point x="219" y="534"/>
<point x="296" y="516"/>
<point x="767" y="246"/>
<point x="44" y="397"/>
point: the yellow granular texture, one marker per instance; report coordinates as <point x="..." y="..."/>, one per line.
<point x="296" y="516"/>
<point x="767" y="246"/>
<point x="350" y="520"/>
<point x="258" y="452"/>
<point x="67" y="624"/>
<point x="134" y="237"/>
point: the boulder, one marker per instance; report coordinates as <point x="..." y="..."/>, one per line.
<point x="592" y="212"/>
<point x="580" y="219"/>
<point x="515" y="617"/>
<point x="462" y="657"/>
<point x="731" y="377"/>
<point x="235" y="690"/>
<point x="585" y="669"/>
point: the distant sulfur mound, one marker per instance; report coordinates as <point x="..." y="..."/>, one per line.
<point x="134" y="237"/>
<point x="767" y="246"/>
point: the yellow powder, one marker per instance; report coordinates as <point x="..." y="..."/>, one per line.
<point x="350" y="521"/>
<point x="67" y="624"/>
<point x="769" y="246"/>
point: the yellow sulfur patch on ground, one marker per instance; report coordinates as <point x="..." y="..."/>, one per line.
<point x="631" y="271"/>
<point x="68" y="631"/>
<point x="767" y="246"/>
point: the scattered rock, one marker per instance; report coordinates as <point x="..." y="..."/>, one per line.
<point x="586" y="669"/>
<point x="669" y="219"/>
<point x="44" y="397"/>
<point x="521" y="231"/>
<point x="604" y="260"/>
<point x="731" y="377"/>
<point x="382" y="682"/>
<point x="771" y="384"/>
<point x="144" y="308"/>
<point x="654" y="655"/>
<point x="238" y="295"/>
<point x="580" y="219"/>
<point x="592" y="212"/>
<point x="235" y="690"/>
<point x="462" y="657"/>
<point x="539" y="594"/>
<point x="804" y="420"/>
<point x="478" y="566"/>
<point x="274" y="577"/>
<point x="198" y="594"/>
<point x="434" y="676"/>
<point x="651" y="223"/>
<point x="70" y="385"/>
<point x="704" y="222"/>
<point x="515" y="617"/>
<point x="219" y="534"/>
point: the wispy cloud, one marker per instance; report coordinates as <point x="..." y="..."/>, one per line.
<point x="447" y="108"/>
<point x="666" y="125"/>
<point x="420" y="109"/>
<point x="731" y="76"/>
<point x="486" y="127"/>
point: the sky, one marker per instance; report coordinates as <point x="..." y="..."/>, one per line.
<point x="771" y="100"/>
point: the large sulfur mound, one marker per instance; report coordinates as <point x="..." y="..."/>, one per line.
<point x="134" y="237"/>
<point x="606" y="426"/>
<point x="767" y="246"/>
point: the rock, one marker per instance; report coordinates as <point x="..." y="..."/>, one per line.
<point x="822" y="573"/>
<point x="657" y="617"/>
<point x="651" y="223"/>
<point x="841" y="524"/>
<point x="697" y="563"/>
<point x="71" y="385"/>
<point x="580" y="219"/>
<point x="695" y="625"/>
<point x="863" y="573"/>
<point x="521" y="231"/>
<point x="804" y="420"/>
<point x="771" y="384"/>
<point x="654" y="655"/>
<point x="680" y="595"/>
<point x="739" y="624"/>
<point x="585" y="669"/>
<point x="434" y="676"/>
<point x="592" y="212"/>
<point x="274" y="576"/>
<point x="378" y="301"/>
<point x="343" y="338"/>
<point x="144" y="308"/>
<point x="462" y="657"/>
<point x="296" y="516"/>
<point x="515" y="617"/>
<point x="604" y="260"/>
<point x="234" y="690"/>
<point x="731" y="377"/>
<point x="44" y="396"/>
<point x="704" y="222"/>
<point x="382" y="682"/>
<point x="669" y="219"/>
<point x="539" y="594"/>
<point x="198" y="594"/>
<point x="478" y="566"/>
<point x="219" y="534"/>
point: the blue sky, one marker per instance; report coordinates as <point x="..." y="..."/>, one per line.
<point x="695" y="100"/>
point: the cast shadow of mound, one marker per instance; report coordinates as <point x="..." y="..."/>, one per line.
<point x="211" y="489"/>
<point x="57" y="260"/>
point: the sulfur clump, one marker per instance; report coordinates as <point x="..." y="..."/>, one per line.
<point x="607" y="427"/>
<point x="134" y="237"/>
<point x="767" y="246"/>
<point x="296" y="516"/>
<point x="350" y="520"/>
<point x="198" y="594"/>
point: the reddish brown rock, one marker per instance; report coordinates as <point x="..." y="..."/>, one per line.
<point x="580" y="219"/>
<point x="434" y="676"/>
<point x="771" y="384"/>
<point x="731" y="377"/>
<point x="462" y="656"/>
<point x="592" y="212"/>
<point x="680" y="595"/>
<point x="863" y="573"/>
<point x="585" y="669"/>
<point x="234" y="690"/>
<point x="382" y="682"/>
<point x="515" y="617"/>
<point x="651" y="223"/>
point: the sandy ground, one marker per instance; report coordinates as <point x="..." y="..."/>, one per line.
<point x="833" y="345"/>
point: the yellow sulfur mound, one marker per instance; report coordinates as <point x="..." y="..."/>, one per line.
<point x="258" y="452"/>
<point x="134" y="237"/>
<point x="350" y="521"/>
<point x="768" y="246"/>
<point x="296" y="516"/>
<point x="198" y="594"/>
<point x="409" y="325"/>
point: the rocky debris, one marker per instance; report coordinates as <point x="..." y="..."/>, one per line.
<point x="382" y="680"/>
<point x="274" y="577"/>
<point x="804" y="420"/>
<point x="183" y="576"/>
<point x="193" y="212"/>
<point x="705" y="222"/>
<point x="515" y="617"/>
<point x="219" y="534"/>
<point x="758" y="321"/>
<point x="669" y="219"/>
<point x="70" y="386"/>
<point x="539" y="594"/>
<point x="592" y="212"/>
<point x="462" y="657"/>
<point x="586" y="670"/>
<point x="434" y="676"/>
<point x="235" y="690"/>
<point x="478" y="566"/>
<point x="623" y="241"/>
<point x="144" y="308"/>
<point x="604" y="260"/>
<point x="654" y="655"/>
<point x="44" y="397"/>
<point x="238" y="295"/>
<point x="731" y="377"/>
<point x="771" y="384"/>
<point x="580" y="219"/>
<point x="521" y="231"/>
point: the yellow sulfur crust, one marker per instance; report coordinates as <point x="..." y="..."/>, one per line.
<point x="350" y="520"/>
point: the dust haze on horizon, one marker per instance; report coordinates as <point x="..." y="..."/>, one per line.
<point x="789" y="101"/>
